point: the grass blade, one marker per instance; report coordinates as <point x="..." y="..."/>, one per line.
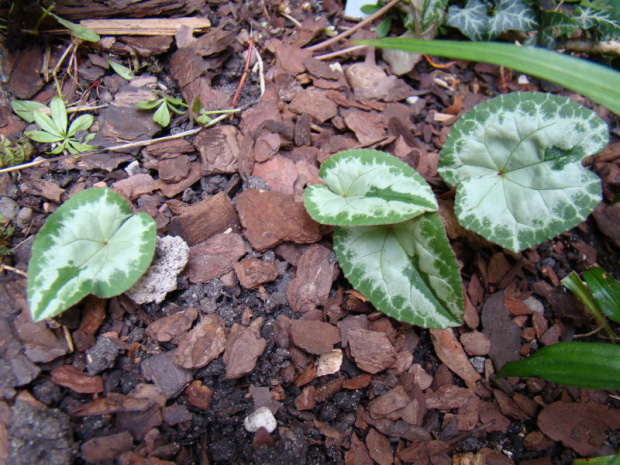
<point x="597" y="82"/>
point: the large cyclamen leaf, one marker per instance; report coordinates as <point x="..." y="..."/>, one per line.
<point x="367" y="187"/>
<point x="480" y="22"/>
<point x="516" y="163"/>
<point x="407" y="270"/>
<point x="90" y="245"/>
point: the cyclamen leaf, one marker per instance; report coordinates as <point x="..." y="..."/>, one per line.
<point x="367" y="187"/>
<point x="594" y="365"/>
<point x="479" y="23"/>
<point x="90" y="245"/>
<point x="406" y="270"/>
<point x="516" y="163"/>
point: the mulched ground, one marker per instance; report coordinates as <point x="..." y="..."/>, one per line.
<point x="260" y="322"/>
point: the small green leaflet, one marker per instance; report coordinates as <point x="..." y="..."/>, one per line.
<point x="367" y="187"/>
<point x="26" y="109"/>
<point x="480" y="22"/>
<point x="516" y="163"/>
<point x="121" y="70"/>
<point x="594" y="365"/>
<point x="90" y="245"/>
<point x="77" y="30"/>
<point x="406" y="270"/>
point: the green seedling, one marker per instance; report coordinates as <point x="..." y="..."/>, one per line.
<point x="121" y="70"/>
<point x="6" y="231"/>
<point x="594" y="365"/>
<point x="55" y="129"/>
<point x="515" y="161"/>
<point x="389" y="240"/>
<point x="163" y="107"/>
<point x="91" y="245"/>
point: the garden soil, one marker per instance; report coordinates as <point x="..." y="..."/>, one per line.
<point x="260" y="352"/>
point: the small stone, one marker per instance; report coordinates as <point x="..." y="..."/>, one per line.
<point x="329" y="363"/>
<point x="8" y="207"/>
<point x="171" y="256"/>
<point x="476" y="343"/>
<point x="175" y="414"/>
<point x="101" y="356"/>
<point x="260" y="418"/>
<point x="167" y="376"/>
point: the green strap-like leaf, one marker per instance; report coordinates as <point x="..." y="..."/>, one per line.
<point x="47" y="124"/>
<point x="594" y="365"/>
<point x="599" y="83"/>
<point x="516" y="163"/>
<point x="367" y="187"/>
<point x="90" y="245"/>
<point x="605" y="290"/>
<point x="43" y="137"/>
<point x="121" y="70"/>
<point x="26" y="108"/>
<point x="407" y="270"/>
<point x="78" y="30"/>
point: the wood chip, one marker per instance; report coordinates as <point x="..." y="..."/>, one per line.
<point x="243" y="347"/>
<point x="70" y="377"/>
<point x="145" y="26"/>
<point x="315" y="337"/>
<point x="450" y="352"/>
<point x="372" y="351"/>
<point x="315" y="274"/>
<point x="202" y="344"/>
<point x="214" y="258"/>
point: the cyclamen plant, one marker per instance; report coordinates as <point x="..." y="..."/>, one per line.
<point x="515" y="161"/>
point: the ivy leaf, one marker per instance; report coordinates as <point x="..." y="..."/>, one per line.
<point x="554" y="24"/>
<point x="516" y="163"/>
<point x="406" y="270"/>
<point x="479" y="21"/>
<point x="594" y="365"/>
<point x="90" y="245"/>
<point x="367" y="187"/>
<point x="433" y="13"/>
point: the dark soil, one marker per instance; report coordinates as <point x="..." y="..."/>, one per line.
<point x="146" y="384"/>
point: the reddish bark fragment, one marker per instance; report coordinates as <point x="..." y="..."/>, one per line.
<point x="389" y="402"/>
<point x="315" y="337"/>
<point x="379" y="448"/>
<point x="253" y="272"/>
<point x="372" y="351"/>
<point x="315" y="274"/>
<point x="243" y="347"/>
<point x="450" y="352"/>
<point x="170" y="327"/>
<point x="198" y="395"/>
<point x="70" y="377"/>
<point x="358" y="454"/>
<point x="203" y="344"/>
<point x="106" y="448"/>
<point x="214" y="258"/>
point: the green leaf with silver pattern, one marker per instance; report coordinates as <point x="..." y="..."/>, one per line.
<point x="406" y="270"/>
<point x="90" y="245"/>
<point x="515" y="161"/>
<point x="367" y="187"/>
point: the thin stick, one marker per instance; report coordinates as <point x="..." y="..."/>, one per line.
<point x="246" y="71"/>
<point x="352" y="30"/>
<point x="337" y="53"/>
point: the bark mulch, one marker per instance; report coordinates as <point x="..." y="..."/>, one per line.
<point x="251" y="347"/>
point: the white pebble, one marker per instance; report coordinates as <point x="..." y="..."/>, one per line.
<point x="261" y="417"/>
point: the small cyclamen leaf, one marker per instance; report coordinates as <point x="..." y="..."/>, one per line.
<point x="90" y="245"/>
<point x="407" y="270"/>
<point x="594" y="365"/>
<point x="367" y="187"/>
<point x="516" y="163"/>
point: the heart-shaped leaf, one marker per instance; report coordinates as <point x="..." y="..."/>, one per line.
<point x="90" y="245"/>
<point x="406" y="270"/>
<point x="516" y="163"/>
<point x="367" y="187"/>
